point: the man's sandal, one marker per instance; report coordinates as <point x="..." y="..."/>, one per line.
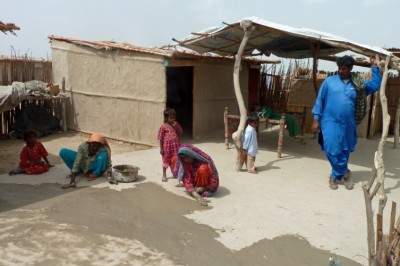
<point x="72" y="184"/>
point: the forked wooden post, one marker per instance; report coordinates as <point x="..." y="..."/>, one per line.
<point x="378" y="173"/>
<point x="248" y="28"/>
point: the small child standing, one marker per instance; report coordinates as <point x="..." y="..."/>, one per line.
<point x="250" y="144"/>
<point x="168" y="135"/>
<point x="31" y="156"/>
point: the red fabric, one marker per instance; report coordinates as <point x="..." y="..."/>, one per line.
<point x="30" y="159"/>
<point x="199" y="175"/>
<point x="202" y="176"/>
<point x="169" y="136"/>
<point x="173" y="162"/>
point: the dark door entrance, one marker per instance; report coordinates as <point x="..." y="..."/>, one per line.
<point x="180" y="96"/>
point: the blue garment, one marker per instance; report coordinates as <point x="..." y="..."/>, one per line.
<point x="334" y="108"/>
<point x="97" y="167"/>
<point x="250" y="143"/>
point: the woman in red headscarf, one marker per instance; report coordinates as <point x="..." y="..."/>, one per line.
<point x="93" y="158"/>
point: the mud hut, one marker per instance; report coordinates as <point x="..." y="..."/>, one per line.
<point x="121" y="90"/>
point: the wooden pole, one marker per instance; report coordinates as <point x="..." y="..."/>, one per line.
<point x="379" y="233"/>
<point x="248" y="28"/>
<point x="362" y="51"/>
<point x="378" y="172"/>
<point x="392" y="220"/>
<point x="63" y="85"/>
<point x="226" y="127"/>
<point x="63" y="107"/>
<point x="368" y="196"/>
<point x="315" y="66"/>
<point x="385" y="130"/>
<point x="397" y="126"/>
<point x="281" y="132"/>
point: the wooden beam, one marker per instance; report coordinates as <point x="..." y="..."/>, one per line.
<point x="333" y="58"/>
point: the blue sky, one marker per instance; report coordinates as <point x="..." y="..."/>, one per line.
<point x="156" y="22"/>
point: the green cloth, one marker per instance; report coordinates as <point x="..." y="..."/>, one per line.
<point x="83" y="160"/>
<point x="361" y="99"/>
<point x="291" y="124"/>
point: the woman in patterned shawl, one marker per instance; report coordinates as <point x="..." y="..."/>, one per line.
<point x="197" y="172"/>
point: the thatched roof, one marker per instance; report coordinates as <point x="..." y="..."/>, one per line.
<point x="8" y="27"/>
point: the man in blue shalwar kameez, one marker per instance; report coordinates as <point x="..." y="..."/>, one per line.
<point x="335" y="120"/>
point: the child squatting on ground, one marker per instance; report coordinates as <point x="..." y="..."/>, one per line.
<point x="31" y="156"/>
<point x="250" y="144"/>
<point x="168" y="135"/>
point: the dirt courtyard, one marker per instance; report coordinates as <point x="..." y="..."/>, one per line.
<point x="150" y="222"/>
<point x="10" y="149"/>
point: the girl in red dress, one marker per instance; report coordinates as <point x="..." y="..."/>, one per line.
<point x="31" y="156"/>
<point x="168" y="135"/>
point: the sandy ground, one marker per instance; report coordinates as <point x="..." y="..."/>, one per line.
<point x="285" y="215"/>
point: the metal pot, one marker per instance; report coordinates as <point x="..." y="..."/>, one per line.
<point x="125" y="173"/>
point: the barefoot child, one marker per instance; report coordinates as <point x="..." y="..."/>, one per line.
<point x="250" y="144"/>
<point x="168" y="135"/>
<point x="31" y="156"/>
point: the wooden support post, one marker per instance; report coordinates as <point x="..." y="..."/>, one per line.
<point x="226" y="128"/>
<point x="63" y="85"/>
<point x="397" y="126"/>
<point x="248" y="28"/>
<point x="63" y="114"/>
<point x="281" y="133"/>
<point x="385" y="130"/>
<point x="392" y="220"/>
<point x="379" y="232"/>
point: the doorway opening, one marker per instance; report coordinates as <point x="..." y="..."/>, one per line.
<point x="180" y="96"/>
